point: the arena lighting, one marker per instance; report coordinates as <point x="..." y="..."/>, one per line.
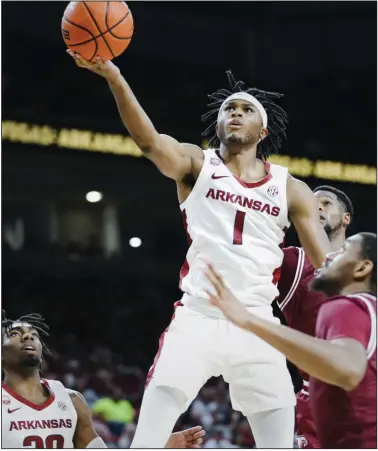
<point x="93" y="197"/>
<point x="135" y="242"/>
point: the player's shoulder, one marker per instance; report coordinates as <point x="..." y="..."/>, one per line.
<point x="291" y="272"/>
<point x="55" y="385"/>
<point x="278" y="178"/>
<point x="291" y="252"/>
<point x="75" y="395"/>
<point x="362" y="298"/>
<point x="343" y="303"/>
<point x="296" y="183"/>
<point x="193" y="150"/>
<point x="355" y="298"/>
<point x="292" y="256"/>
<point x="278" y="169"/>
<point x="299" y="194"/>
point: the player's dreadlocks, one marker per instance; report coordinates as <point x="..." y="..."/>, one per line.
<point x="277" y="117"/>
<point x="34" y="319"/>
<point x="341" y="197"/>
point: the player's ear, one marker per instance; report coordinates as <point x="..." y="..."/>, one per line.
<point x="216" y="130"/>
<point x="363" y="269"/>
<point x="263" y="133"/>
<point x="346" y="219"/>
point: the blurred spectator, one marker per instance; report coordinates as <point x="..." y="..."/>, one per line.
<point x="127" y="436"/>
<point x="211" y="407"/>
<point x="103" y="430"/>
<point x="218" y="439"/>
<point x="243" y="434"/>
<point x="90" y="396"/>
<point x="115" y="410"/>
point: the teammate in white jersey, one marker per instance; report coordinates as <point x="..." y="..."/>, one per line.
<point x="39" y="413"/>
<point x="236" y="208"/>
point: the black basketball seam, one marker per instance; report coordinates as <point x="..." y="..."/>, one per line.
<point x="98" y="28"/>
<point x="102" y="34"/>
<point x="89" y="40"/>
<point x="120" y="37"/>
<point x="111" y="28"/>
<point x="82" y="28"/>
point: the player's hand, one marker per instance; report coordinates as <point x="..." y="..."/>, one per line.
<point x="189" y="438"/>
<point x="100" y="67"/>
<point x="232" y="308"/>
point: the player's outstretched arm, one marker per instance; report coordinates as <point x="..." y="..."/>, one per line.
<point x="340" y="362"/>
<point x="173" y="159"/>
<point x="304" y="213"/>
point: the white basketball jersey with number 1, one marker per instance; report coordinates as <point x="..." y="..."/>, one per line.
<point x="238" y="227"/>
<point x="27" y="425"/>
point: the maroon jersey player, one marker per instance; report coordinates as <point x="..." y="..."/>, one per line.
<point x="301" y="305"/>
<point x="342" y="358"/>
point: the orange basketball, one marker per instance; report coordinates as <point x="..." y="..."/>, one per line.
<point x="97" y="28"/>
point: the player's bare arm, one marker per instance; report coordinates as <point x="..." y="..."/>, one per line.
<point x="85" y="435"/>
<point x="173" y="159"/>
<point x="340" y="362"/>
<point x="304" y="213"/>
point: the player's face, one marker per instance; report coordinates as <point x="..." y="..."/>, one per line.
<point x="239" y="122"/>
<point x="332" y="215"/>
<point x="341" y="268"/>
<point x="22" y="347"/>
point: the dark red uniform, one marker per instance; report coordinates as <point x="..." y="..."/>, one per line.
<point x="300" y="307"/>
<point x="348" y="419"/>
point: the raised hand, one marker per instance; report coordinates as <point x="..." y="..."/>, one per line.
<point x="232" y="308"/>
<point x="100" y="67"/>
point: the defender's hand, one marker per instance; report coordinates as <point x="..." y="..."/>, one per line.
<point x="105" y="69"/>
<point x="232" y="308"/>
<point x="189" y="438"/>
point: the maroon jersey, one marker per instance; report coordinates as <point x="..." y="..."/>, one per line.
<point x="300" y="307"/>
<point x="299" y="304"/>
<point x="348" y="419"/>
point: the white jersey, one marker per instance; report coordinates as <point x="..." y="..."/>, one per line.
<point x="27" y="425"/>
<point x="239" y="227"/>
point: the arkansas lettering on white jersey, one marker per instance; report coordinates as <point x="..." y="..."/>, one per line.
<point x="239" y="227"/>
<point x="27" y="425"/>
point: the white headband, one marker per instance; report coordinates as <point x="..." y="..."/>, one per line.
<point x="248" y="98"/>
<point x="20" y="324"/>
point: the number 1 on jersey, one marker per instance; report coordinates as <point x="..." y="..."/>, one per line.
<point x="238" y="227"/>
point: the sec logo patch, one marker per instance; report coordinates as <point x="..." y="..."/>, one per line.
<point x="272" y="191"/>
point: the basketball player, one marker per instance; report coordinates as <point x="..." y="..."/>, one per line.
<point x="39" y="413"/>
<point x="342" y="358"/>
<point x="301" y="305"/>
<point x="236" y="208"/>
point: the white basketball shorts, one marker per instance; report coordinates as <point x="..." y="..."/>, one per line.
<point x="196" y="347"/>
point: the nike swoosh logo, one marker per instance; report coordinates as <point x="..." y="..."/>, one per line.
<point x="215" y="177"/>
<point x="13" y="410"/>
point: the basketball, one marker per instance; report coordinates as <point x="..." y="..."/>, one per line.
<point x="96" y="29"/>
